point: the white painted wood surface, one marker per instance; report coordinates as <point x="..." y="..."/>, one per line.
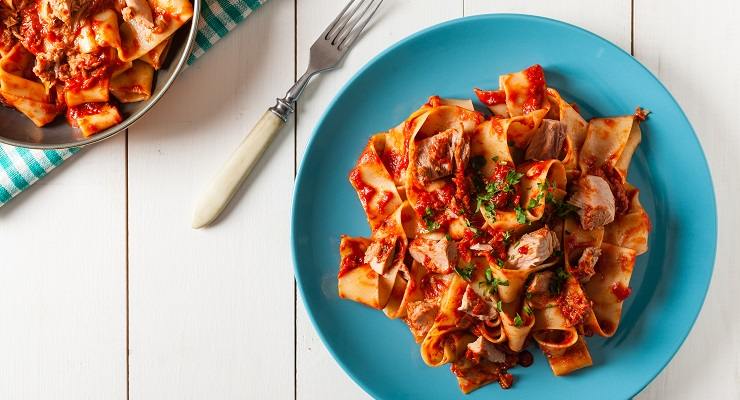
<point x="99" y="259"/>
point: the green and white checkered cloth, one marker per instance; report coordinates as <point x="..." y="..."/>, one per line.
<point x="21" y="167"/>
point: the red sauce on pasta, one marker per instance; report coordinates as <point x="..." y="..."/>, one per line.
<point x="490" y="97"/>
<point x="107" y="59"/>
<point x="536" y="91"/>
<point x="394" y="163"/>
<point x="365" y="191"/>
<point x="620" y="291"/>
<point x="504" y="197"/>
<point x="31" y="30"/>
<point x="536" y="169"/>
<point x="385" y="198"/>
<point x="355" y="258"/>
<point x="84" y="110"/>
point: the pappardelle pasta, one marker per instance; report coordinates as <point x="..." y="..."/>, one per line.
<point x="70" y="56"/>
<point x="489" y="234"/>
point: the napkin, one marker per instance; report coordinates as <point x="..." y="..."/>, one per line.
<point x="21" y="167"/>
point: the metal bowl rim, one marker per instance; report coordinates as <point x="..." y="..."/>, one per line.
<point x="110" y="132"/>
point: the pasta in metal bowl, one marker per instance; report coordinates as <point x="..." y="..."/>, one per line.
<point x="493" y="233"/>
<point x="82" y="58"/>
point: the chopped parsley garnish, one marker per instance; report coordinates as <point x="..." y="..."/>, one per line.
<point x="465" y="272"/>
<point x="520" y="216"/>
<point x="490" y="210"/>
<point x="556" y="283"/>
<point x="499" y="306"/>
<point x="561" y="208"/>
<point x="495" y="159"/>
<point x="528" y="309"/>
<point x="447" y="236"/>
<point x="492" y="283"/>
<point x="506" y="236"/>
<point x="512" y="178"/>
<point x="518" y="320"/>
<point x="431" y="223"/>
<point x="473" y="229"/>
<point x="499" y="263"/>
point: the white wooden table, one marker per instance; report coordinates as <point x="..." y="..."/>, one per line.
<point x="106" y="292"/>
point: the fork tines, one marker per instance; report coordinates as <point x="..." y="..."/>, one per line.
<point x="348" y="25"/>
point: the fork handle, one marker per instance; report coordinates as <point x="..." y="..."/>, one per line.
<point x="236" y="169"/>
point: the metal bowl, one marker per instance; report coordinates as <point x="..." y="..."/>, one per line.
<point x="16" y="129"/>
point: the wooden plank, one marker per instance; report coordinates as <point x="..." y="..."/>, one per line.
<point x="687" y="48"/>
<point x="62" y="282"/>
<point x="318" y="375"/>
<point x="211" y="311"/>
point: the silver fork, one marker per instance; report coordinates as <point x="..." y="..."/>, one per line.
<point x="326" y="53"/>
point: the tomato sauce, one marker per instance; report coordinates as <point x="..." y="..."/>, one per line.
<point x="620" y="291"/>
<point x="355" y="256"/>
<point x="364" y="191"/>
<point x="491" y="97"/>
<point x="31" y="30"/>
<point x="536" y="91"/>
<point x="108" y="61"/>
<point x="536" y="169"/>
<point x="395" y="163"/>
<point x="384" y="199"/>
<point x="83" y="110"/>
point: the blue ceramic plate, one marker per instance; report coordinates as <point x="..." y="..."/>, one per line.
<point x="669" y="282"/>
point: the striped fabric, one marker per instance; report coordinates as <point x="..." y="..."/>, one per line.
<point x="217" y="18"/>
<point x="21" y="167"/>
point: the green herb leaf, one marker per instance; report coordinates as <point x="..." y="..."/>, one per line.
<point x="506" y="235"/>
<point x="556" y="283"/>
<point x="465" y="272"/>
<point x="431" y="223"/>
<point x="520" y="216"/>
<point x="527" y="309"/>
<point x="499" y="306"/>
<point x="512" y="178"/>
<point x="518" y="320"/>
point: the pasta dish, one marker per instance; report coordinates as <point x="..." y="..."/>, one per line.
<point x="489" y="234"/>
<point x="69" y="56"/>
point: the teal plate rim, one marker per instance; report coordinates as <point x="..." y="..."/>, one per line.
<point x="698" y="288"/>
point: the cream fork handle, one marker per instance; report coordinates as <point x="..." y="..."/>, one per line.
<point x="237" y="168"/>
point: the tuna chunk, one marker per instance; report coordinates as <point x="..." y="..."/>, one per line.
<point x="138" y="9"/>
<point x="438" y="256"/>
<point x="532" y="249"/>
<point x="61" y="9"/>
<point x="437" y="155"/>
<point x="476" y="306"/>
<point x="380" y="252"/>
<point x="587" y="264"/>
<point x="540" y="283"/>
<point x="482" y="348"/>
<point x="595" y="202"/>
<point x="547" y="142"/>
<point x="420" y="317"/>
